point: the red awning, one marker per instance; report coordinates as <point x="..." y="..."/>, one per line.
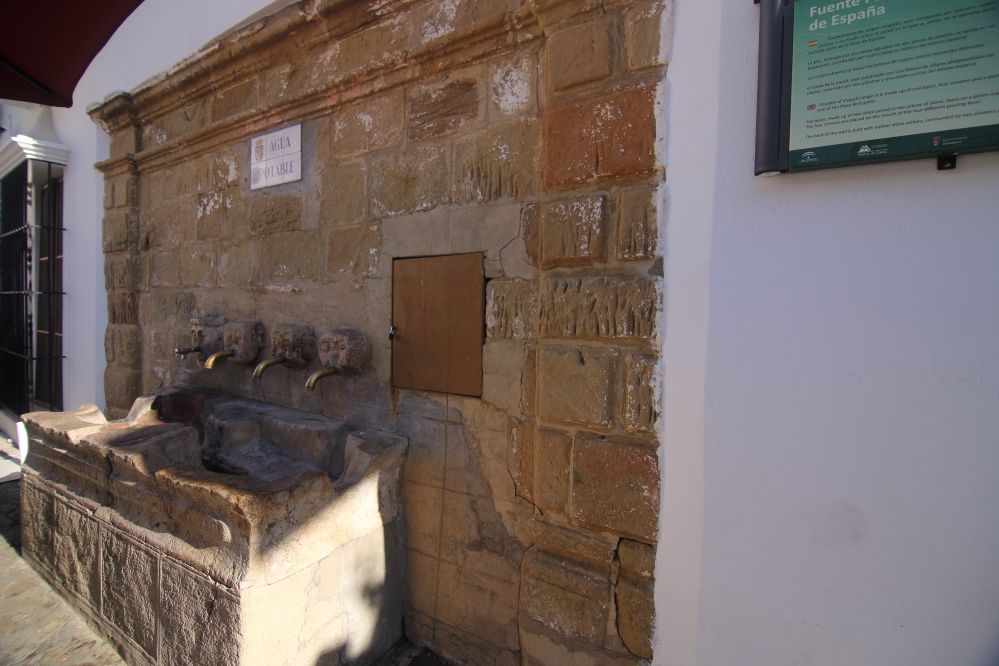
<point x="46" y="45"/>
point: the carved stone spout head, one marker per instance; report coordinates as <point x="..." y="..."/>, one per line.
<point x="343" y="349"/>
<point x="206" y="334"/>
<point x="244" y="339"/>
<point x="295" y="343"/>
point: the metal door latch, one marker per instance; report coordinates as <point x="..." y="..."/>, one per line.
<point x="391" y="332"/>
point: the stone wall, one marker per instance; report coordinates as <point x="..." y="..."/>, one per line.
<point x="524" y="129"/>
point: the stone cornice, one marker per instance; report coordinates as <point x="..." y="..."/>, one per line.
<point x="195" y="78"/>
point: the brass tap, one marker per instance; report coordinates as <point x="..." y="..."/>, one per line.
<point x="310" y="383"/>
<point x="211" y="360"/>
<point x="258" y="371"/>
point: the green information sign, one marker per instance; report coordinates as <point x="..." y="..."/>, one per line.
<point x="877" y="80"/>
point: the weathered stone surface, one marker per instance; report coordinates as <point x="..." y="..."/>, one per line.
<point x="363" y="51"/>
<point x="579" y="54"/>
<point x="541" y="646"/>
<point x="121" y="387"/>
<point x="421" y="582"/>
<point x="551" y="13"/>
<point x="37" y="523"/>
<point x="197" y="265"/>
<point x="123" y="345"/>
<point x="235" y="99"/>
<point x="615" y="486"/>
<point x="511" y="309"/>
<point x="290" y="255"/>
<point x="576" y="384"/>
<point x="513" y="86"/>
<point x="413" y="181"/>
<point x="120" y="272"/>
<point x="123" y="308"/>
<point x="486" y="229"/>
<point x="573" y="233"/>
<point x="462" y="647"/>
<point x="497" y="163"/>
<point x="593" y="550"/>
<point x="353" y="251"/>
<point x="598" y="307"/>
<point x="236" y="265"/>
<point x="639" y="404"/>
<point x="479" y="604"/>
<point x="344" y="193"/>
<point x="164" y="269"/>
<point x="438" y="109"/>
<point x="120" y="231"/>
<point x="645" y="35"/>
<point x="502" y="379"/>
<point x="607" y="136"/>
<point x="438" y="20"/>
<point x="634" y="593"/>
<point x="474" y="538"/>
<point x="128" y="587"/>
<point x="568" y="598"/>
<point x="553" y="466"/>
<point x="637" y="229"/>
<point x="416" y="235"/>
<point x="269" y="213"/>
<point x="200" y="621"/>
<point x="521" y="460"/>
<point x="369" y="125"/>
<point x="425" y="459"/>
<point x="162" y="306"/>
<point x="423" y="517"/>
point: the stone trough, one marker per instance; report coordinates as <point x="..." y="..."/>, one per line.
<point x="208" y="529"/>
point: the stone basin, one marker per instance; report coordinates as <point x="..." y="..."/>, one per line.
<point x="212" y="529"/>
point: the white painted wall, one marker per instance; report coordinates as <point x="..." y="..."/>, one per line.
<point x="831" y="428"/>
<point x="156" y="36"/>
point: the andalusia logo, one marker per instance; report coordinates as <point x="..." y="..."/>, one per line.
<point x="258" y="149"/>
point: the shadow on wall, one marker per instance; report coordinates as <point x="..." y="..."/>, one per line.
<point x="211" y="528"/>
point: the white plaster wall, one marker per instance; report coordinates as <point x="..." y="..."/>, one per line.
<point x="831" y="416"/>
<point x="156" y="36"/>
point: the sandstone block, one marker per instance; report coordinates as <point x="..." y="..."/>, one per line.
<point x="553" y="465"/>
<point x="289" y="255"/>
<point x="200" y="620"/>
<point x="353" y="251"/>
<point x="499" y="162"/>
<point x="123" y="345"/>
<point x="598" y="307"/>
<point x="129" y="589"/>
<point x="634" y="594"/>
<point x="637" y="229"/>
<point x="589" y="549"/>
<point x="121" y="387"/>
<point x="123" y="308"/>
<point x="235" y="99"/>
<point x="369" y="125"/>
<point x="236" y="265"/>
<point x="120" y="231"/>
<point x="164" y="269"/>
<point x="436" y="20"/>
<point x="37" y="523"/>
<point x="486" y="229"/>
<point x="462" y="647"/>
<point x="639" y="404"/>
<point x="511" y="309"/>
<point x="579" y="54"/>
<point x="180" y="121"/>
<point x="513" y="86"/>
<point x="607" y="136"/>
<point x="344" y="193"/>
<point x="615" y="486"/>
<point x="521" y="460"/>
<point x="120" y="272"/>
<point x="481" y="605"/>
<point x="577" y="384"/>
<point x="197" y="265"/>
<point x="425" y="457"/>
<point x="573" y="232"/>
<point x="645" y="34"/>
<point x="551" y="13"/>
<point x="125" y="141"/>
<point x="423" y="234"/>
<point x="540" y="646"/>
<point x="411" y="181"/>
<point x="438" y="109"/>
<point x="269" y="213"/>
<point x="570" y="599"/>
<point x="164" y="306"/>
<point x="474" y="538"/>
<point x="365" y="50"/>
<point x="502" y="375"/>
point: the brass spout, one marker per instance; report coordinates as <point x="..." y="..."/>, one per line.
<point x="310" y="383"/>
<point x="184" y="351"/>
<point x="258" y="371"/>
<point x="211" y="360"/>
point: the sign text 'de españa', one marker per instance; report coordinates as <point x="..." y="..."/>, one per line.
<point x="276" y="157"/>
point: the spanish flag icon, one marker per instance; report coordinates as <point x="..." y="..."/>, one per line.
<point x="813" y="42"/>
